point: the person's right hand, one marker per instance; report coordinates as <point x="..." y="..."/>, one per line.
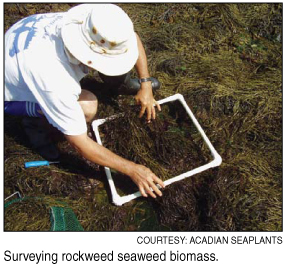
<point x="146" y="180"/>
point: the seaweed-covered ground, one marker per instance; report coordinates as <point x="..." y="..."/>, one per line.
<point x="226" y="60"/>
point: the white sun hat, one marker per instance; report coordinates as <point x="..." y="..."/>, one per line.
<point x="102" y="37"/>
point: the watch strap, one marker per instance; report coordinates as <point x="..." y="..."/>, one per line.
<point x="144" y="79"/>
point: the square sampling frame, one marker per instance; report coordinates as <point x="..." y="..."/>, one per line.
<point x="217" y="160"/>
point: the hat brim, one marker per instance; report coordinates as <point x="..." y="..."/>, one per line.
<point x="110" y="65"/>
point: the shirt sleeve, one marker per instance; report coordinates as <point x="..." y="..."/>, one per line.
<point x="54" y="84"/>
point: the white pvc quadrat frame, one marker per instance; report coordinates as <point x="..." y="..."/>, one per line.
<point x="217" y="160"/>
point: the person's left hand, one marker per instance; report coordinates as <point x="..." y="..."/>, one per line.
<point x="145" y="99"/>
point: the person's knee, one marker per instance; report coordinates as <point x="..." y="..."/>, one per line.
<point x="89" y="104"/>
<point x="90" y="109"/>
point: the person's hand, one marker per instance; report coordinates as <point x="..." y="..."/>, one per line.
<point x="146" y="181"/>
<point x="145" y="99"/>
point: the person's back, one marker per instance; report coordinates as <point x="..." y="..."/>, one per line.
<point x="20" y="38"/>
<point x="38" y="70"/>
<point x="35" y="38"/>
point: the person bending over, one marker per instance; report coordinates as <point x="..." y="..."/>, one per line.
<point x="46" y="56"/>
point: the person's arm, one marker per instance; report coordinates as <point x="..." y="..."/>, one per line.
<point x="144" y="96"/>
<point x="143" y="177"/>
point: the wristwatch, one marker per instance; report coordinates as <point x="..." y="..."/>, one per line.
<point x="144" y="80"/>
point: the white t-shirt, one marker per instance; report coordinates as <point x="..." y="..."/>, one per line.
<point x="38" y="69"/>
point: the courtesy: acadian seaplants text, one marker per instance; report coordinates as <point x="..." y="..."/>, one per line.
<point x="209" y="240"/>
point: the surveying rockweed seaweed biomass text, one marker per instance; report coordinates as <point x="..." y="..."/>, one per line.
<point x="91" y="257"/>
